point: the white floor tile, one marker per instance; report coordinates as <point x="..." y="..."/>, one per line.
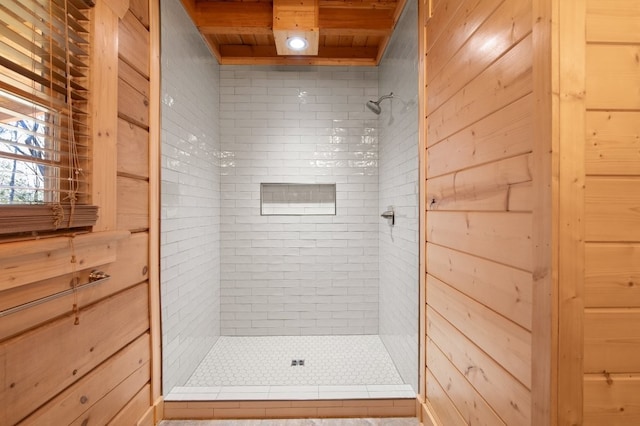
<point x="260" y="368"/>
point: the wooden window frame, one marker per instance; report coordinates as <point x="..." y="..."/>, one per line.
<point x="70" y="22"/>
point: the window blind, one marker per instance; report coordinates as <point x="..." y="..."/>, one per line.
<point x="44" y="135"/>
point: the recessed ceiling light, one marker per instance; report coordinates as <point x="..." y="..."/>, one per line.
<point x="297" y="43"/>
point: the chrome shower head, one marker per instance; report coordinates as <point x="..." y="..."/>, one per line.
<point x="374" y="106"/>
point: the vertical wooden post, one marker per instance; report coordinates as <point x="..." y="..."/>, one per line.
<point x="154" y="205"/>
<point x="424" y="9"/>
<point x="571" y="182"/>
<point x="104" y="83"/>
<point x="545" y="213"/>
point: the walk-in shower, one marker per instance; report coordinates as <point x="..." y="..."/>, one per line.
<point x="280" y="280"/>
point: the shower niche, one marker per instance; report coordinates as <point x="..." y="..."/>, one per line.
<point x="297" y="199"/>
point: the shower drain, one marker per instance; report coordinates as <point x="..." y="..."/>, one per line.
<point x="296" y="362"/>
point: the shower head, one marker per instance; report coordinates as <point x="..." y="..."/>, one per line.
<point x="375" y="105"/>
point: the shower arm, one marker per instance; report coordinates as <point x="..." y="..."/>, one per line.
<point x="382" y="98"/>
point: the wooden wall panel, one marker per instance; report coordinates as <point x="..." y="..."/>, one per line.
<point x="473" y="408"/>
<point x="503" y="134"/>
<point x="501" y="288"/>
<point x="612" y="275"/>
<point x="479" y="202"/>
<point x="140" y="9"/>
<point x="520" y="198"/>
<point x="506" y="342"/>
<point x="83" y="399"/>
<point x="133" y="78"/>
<point x="505" y="81"/>
<point x="133" y="105"/>
<point x="134" y="410"/>
<point x="138" y="106"/>
<point x="613" y="76"/>
<point x="612" y="210"/>
<point x="613" y="21"/>
<point x="501" y="390"/>
<point x="130" y="268"/>
<point x="501" y="237"/>
<point x="611" y="399"/>
<point x="612" y="340"/>
<point x="613" y="143"/>
<point x="111" y="404"/>
<point x="482" y="188"/>
<point x="133" y="203"/>
<point x="506" y="26"/>
<point x="445" y="412"/>
<point x="67" y="351"/>
<point x="16" y="271"/>
<point x="98" y="370"/>
<point x="612" y="214"/>
<point x="581" y="88"/>
<point x="134" y="41"/>
<point x="451" y="27"/>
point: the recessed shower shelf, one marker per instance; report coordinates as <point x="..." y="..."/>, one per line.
<point x="297" y="199"/>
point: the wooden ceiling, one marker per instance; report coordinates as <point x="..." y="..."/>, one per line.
<point x="348" y="32"/>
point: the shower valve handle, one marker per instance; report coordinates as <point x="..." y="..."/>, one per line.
<point x="389" y="214"/>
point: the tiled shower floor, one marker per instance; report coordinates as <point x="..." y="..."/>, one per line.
<point x="342" y="367"/>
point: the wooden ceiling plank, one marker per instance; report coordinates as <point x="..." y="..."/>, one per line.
<point x="365" y="21"/>
<point x="339" y="32"/>
<point x="235" y="30"/>
<point x="359" y="41"/>
<point x="358" y="4"/>
<point x="234" y="17"/>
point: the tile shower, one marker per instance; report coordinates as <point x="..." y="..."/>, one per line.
<point x="304" y="285"/>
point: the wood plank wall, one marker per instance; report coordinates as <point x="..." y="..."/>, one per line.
<point x="612" y="213"/>
<point x="479" y="180"/>
<point x="101" y="370"/>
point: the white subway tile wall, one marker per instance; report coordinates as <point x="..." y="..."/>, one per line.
<point x="190" y="228"/>
<point x="299" y="275"/>
<point x="399" y="188"/>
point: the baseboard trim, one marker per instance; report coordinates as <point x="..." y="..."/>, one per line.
<point x="425" y="413"/>
<point x="210" y="410"/>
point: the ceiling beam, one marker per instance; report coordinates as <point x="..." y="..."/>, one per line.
<point x="257" y="18"/>
<point x="295" y="18"/>
<point x="359" y="4"/>
<point x="228" y="51"/>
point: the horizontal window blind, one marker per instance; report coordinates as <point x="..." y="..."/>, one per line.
<point x="44" y="135"/>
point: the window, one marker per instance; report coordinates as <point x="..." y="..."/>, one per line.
<point x="44" y="135"/>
